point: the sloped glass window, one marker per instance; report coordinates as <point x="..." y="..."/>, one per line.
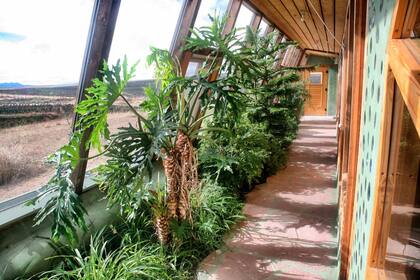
<point x="263" y="27"/>
<point x="244" y="19"/>
<point x="209" y="8"/>
<point x="41" y="52"/>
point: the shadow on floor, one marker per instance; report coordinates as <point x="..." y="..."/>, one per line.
<point x="290" y="230"/>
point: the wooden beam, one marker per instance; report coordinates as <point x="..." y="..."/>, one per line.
<point x="412" y="16"/>
<point x="359" y="16"/>
<point x="184" y="25"/>
<point x="232" y="14"/>
<point x="269" y="29"/>
<point x="255" y="22"/>
<point x="316" y="12"/>
<point x="397" y="24"/>
<point x="404" y="59"/>
<point x="271" y="13"/>
<point x="321" y="53"/>
<point x="301" y="56"/>
<point x="101" y="31"/>
<point x="375" y="240"/>
<point x="328" y="12"/>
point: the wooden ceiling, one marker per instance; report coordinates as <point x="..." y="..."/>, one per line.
<point x="301" y="21"/>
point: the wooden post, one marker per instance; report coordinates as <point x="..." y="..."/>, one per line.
<point x="185" y="23"/>
<point x="359" y="15"/>
<point x="101" y="31"/>
<point x="256" y="20"/>
<point x="268" y="30"/>
<point x="232" y="14"/>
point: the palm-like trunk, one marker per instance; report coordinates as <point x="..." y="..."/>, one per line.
<point x="162" y="229"/>
<point x="189" y="176"/>
<point x="172" y="172"/>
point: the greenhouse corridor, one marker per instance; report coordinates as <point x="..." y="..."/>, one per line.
<point x="210" y="139"/>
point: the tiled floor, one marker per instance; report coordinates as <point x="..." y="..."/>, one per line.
<point x="290" y="231"/>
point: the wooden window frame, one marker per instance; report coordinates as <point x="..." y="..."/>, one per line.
<point x="98" y="46"/>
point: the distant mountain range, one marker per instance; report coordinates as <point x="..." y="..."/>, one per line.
<point x="134" y="88"/>
<point x="11" y="85"/>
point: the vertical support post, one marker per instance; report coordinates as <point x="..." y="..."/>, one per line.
<point x="359" y="15"/>
<point x="256" y="20"/>
<point x="269" y="29"/>
<point x="232" y="14"/>
<point x="301" y="55"/>
<point x="185" y="23"/>
<point x="101" y="31"/>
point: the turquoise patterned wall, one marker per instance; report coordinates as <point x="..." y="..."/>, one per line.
<point x="378" y="29"/>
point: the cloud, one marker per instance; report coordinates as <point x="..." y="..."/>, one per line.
<point x="54" y="36"/>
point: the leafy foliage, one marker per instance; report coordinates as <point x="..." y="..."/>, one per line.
<point x="62" y="202"/>
<point x="250" y="113"/>
<point x="129" y="250"/>
<point x="236" y="158"/>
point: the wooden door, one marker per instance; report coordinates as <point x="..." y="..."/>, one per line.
<point x="317" y="86"/>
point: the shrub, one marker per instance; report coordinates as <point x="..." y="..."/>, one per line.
<point x="15" y="165"/>
<point x="236" y="157"/>
<point x="130" y="250"/>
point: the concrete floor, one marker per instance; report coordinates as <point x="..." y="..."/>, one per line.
<point x="290" y="231"/>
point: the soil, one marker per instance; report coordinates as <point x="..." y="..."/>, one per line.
<point x="32" y="143"/>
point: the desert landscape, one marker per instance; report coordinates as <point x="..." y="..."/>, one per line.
<point x="36" y="122"/>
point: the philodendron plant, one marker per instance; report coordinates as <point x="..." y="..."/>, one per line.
<point x="168" y="124"/>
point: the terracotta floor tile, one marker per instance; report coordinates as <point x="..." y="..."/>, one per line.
<point x="290" y="231"/>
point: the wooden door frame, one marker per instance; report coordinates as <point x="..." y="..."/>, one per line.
<point x="324" y="86"/>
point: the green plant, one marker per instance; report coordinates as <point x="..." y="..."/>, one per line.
<point x="238" y="157"/>
<point x="142" y="260"/>
<point x="250" y="114"/>
<point x="270" y="107"/>
<point x="62" y="202"/>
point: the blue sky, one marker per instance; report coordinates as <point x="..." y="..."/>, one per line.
<point x="11" y="37"/>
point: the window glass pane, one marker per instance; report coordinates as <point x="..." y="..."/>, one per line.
<point x="209" y="7"/>
<point x="244" y="18"/>
<point x="41" y="51"/>
<point x="192" y="69"/>
<point x="140" y="25"/>
<point x="315" y="78"/>
<point x="263" y="26"/>
<point x="402" y="260"/>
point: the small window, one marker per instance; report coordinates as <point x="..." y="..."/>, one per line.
<point x="315" y="78"/>
<point x="193" y="67"/>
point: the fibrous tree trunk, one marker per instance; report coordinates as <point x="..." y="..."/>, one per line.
<point x="172" y="173"/>
<point x="162" y="229"/>
<point x="189" y="176"/>
<point x="180" y="166"/>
